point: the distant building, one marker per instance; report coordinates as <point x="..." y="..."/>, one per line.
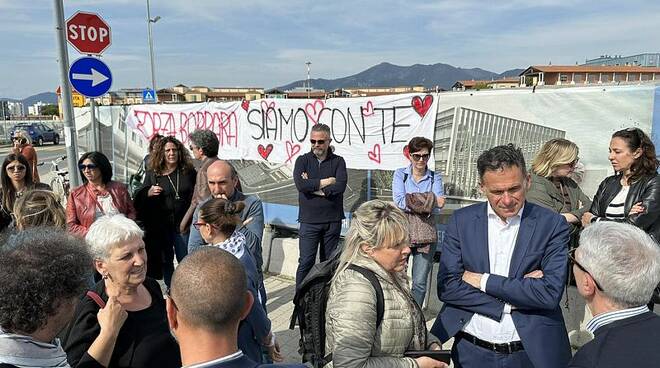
<point x="551" y="75"/>
<point x="35" y="109"/>
<point x="4" y="110"/>
<point x="275" y="93"/>
<point x="646" y="59"/>
<point x="220" y="94"/>
<point x="301" y="92"/>
<point x="463" y="85"/>
<point x="170" y="95"/>
<point x="16" y="108"/>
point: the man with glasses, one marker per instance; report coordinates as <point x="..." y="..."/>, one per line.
<point x="617" y="267"/>
<point x="320" y="177"/>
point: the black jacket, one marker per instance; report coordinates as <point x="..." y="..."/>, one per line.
<point x="630" y="342"/>
<point x="645" y="190"/>
<point x="317" y="209"/>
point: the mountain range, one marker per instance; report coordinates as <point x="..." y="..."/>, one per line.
<point x="381" y="75"/>
<point x="390" y="75"/>
<point x="46" y="97"/>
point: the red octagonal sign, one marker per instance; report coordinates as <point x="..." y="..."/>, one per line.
<point x="88" y="33"/>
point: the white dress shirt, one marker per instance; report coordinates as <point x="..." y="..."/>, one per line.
<point x="501" y="242"/>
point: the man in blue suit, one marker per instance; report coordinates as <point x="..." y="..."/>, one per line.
<point x="207" y="301"/>
<point x="502" y="274"/>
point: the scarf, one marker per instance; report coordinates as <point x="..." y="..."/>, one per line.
<point x="235" y="244"/>
<point x="25" y="352"/>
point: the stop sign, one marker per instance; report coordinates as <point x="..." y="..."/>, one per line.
<point x="88" y="33"/>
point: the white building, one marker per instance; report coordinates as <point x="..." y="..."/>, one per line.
<point x="36" y="108"/>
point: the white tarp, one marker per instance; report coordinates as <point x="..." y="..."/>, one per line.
<point x="369" y="132"/>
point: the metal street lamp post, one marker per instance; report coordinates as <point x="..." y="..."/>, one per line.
<point x="151" y="49"/>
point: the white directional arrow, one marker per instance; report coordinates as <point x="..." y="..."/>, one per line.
<point x="96" y="77"/>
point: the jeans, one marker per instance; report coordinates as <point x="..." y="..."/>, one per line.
<point x="421" y="265"/>
<point x="180" y="250"/>
<point x="312" y="236"/>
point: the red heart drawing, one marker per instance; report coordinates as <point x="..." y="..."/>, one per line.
<point x="245" y="105"/>
<point x="268" y="108"/>
<point x="422" y="106"/>
<point x="406" y="151"/>
<point x="291" y="150"/>
<point x="265" y="151"/>
<point x="374" y="155"/>
<point x="315" y="113"/>
<point x="368" y="110"/>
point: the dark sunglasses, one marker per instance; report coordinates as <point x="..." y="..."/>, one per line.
<point x="21" y="140"/>
<point x="417" y="156"/>
<point x="16" y="168"/>
<point x="315" y="141"/>
<point x="90" y="166"/>
<point x="571" y="257"/>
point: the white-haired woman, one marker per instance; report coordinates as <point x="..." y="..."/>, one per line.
<point x="377" y="241"/>
<point x="123" y="322"/>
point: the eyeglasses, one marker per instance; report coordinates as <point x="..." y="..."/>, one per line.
<point x="319" y="141"/>
<point x="21" y="140"/>
<point x="574" y="162"/>
<point x="571" y="257"/>
<point x="417" y="156"/>
<point x="82" y="167"/>
<point x="16" y="168"/>
<point x="198" y="225"/>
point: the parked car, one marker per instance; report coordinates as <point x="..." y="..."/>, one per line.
<point x="39" y="133"/>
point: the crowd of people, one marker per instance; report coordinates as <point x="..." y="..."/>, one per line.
<point x="79" y="285"/>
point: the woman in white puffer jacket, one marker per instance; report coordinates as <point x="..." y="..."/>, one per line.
<point x="378" y="241"/>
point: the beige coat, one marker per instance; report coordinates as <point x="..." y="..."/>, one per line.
<point x="351" y="333"/>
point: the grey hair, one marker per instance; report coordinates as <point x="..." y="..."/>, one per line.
<point x="623" y="259"/>
<point x="206" y="140"/>
<point x="108" y="232"/>
<point x="321" y="128"/>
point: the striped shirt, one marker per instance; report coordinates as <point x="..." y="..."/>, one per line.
<point x="609" y="317"/>
<point x="615" y="210"/>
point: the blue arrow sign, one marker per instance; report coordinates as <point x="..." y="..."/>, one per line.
<point x="90" y="76"/>
<point x="148" y="96"/>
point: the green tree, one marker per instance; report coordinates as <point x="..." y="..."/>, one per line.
<point x="49" y="110"/>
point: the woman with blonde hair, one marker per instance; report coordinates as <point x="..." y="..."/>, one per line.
<point x="553" y="188"/>
<point x="39" y="208"/>
<point x="378" y="242"/>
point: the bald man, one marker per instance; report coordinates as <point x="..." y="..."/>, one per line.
<point x="207" y="301"/>
<point x="222" y="180"/>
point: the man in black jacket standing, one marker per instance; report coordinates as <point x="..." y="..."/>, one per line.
<point x="616" y="268"/>
<point x="320" y="178"/>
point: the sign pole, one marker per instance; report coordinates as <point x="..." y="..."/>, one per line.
<point x="95" y="129"/>
<point x="67" y="106"/>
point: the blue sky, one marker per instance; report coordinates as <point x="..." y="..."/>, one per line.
<point x="265" y="43"/>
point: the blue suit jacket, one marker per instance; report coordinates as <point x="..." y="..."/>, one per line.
<point x="542" y="243"/>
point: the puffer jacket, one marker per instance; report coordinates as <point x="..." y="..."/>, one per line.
<point x="350" y="323"/>
<point x="645" y="190"/>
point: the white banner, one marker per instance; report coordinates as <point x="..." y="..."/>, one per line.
<point x="369" y="132"/>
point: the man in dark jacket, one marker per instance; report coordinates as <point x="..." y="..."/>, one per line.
<point x="207" y="301"/>
<point x="320" y="178"/>
<point x="616" y="268"/>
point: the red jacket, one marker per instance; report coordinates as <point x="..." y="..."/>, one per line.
<point x="81" y="207"/>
